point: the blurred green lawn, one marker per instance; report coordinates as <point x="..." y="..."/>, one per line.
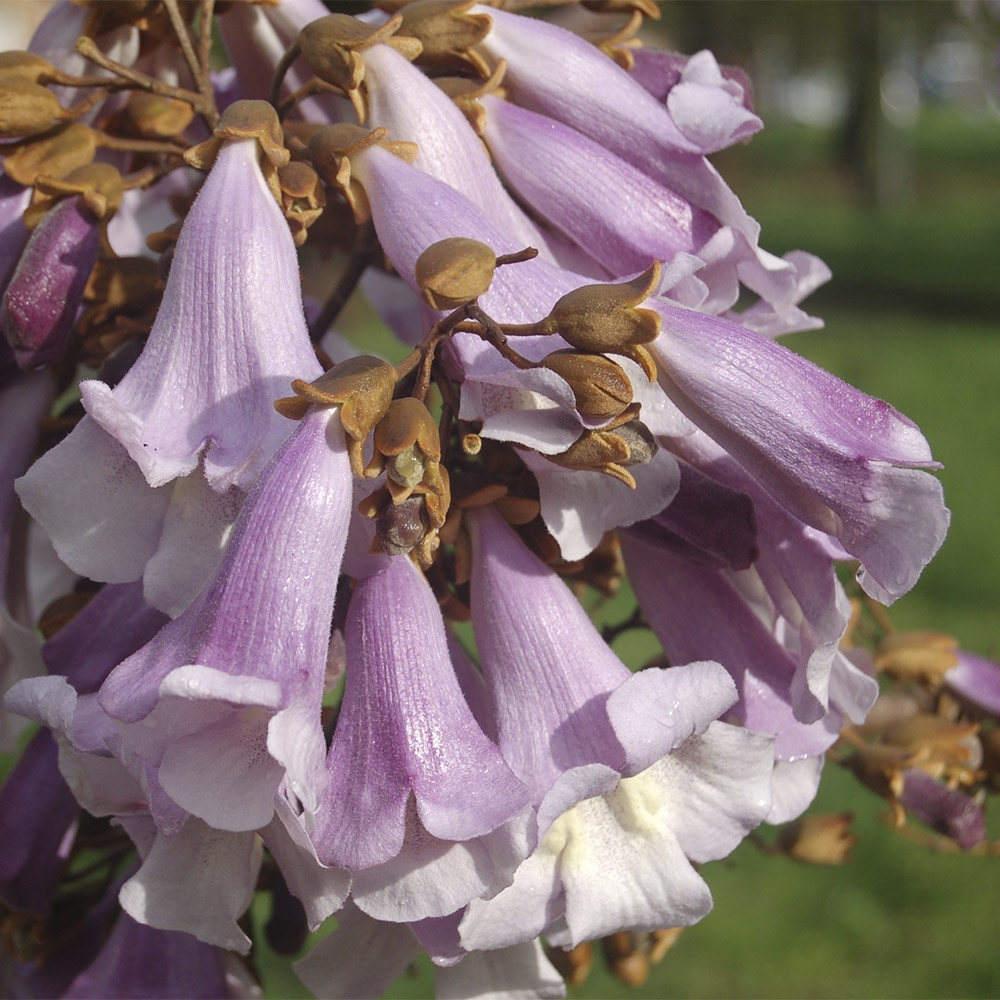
<point x="911" y="317"/>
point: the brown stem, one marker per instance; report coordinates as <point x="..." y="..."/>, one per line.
<point x="284" y="64"/>
<point x="152" y="147"/>
<point x="493" y="334"/>
<point x="183" y="37"/>
<point x="205" y="34"/>
<point x="307" y="90"/>
<point x="528" y="253"/>
<point x="86" y="47"/>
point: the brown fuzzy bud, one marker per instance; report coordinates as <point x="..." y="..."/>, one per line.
<point x="822" y="839"/>
<point x="611" y="449"/>
<point x="56" y="156"/>
<point x="455" y="271"/>
<point x="600" y="386"/>
<point x="573" y="965"/>
<point x="606" y="318"/>
<point x="921" y="655"/>
<point x="303" y="197"/>
<point x="99" y="185"/>
<point x="153" y="116"/>
<point x="243" y="120"/>
<point x="448" y="34"/>
<point x="17" y="65"/>
<point x="362" y="387"/>
<point x="331" y="150"/>
<point x="333" y="46"/>
<point x="27" y="109"/>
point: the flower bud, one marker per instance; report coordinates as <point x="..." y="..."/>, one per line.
<point x="361" y="386"/>
<point x="243" y="120"/>
<point x="332" y="47"/>
<point x="823" y="839"/>
<point x="303" y="197"/>
<point x="27" y="109"/>
<point x="606" y="318"/>
<point x="454" y="271"/>
<point x="448" y="34"/>
<point x="153" y="116"/>
<point x="611" y="449"/>
<point x="55" y="156"/>
<point x="40" y="305"/>
<point x="920" y="655"/>
<point x="29" y="66"/>
<point x="600" y="386"/>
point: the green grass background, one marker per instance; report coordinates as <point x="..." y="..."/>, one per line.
<point x="911" y="316"/>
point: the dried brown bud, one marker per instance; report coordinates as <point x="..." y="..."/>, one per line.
<point x="363" y="389"/>
<point x="331" y="149"/>
<point x="606" y="318"/>
<point x="153" y="116"/>
<point x="99" y="186"/>
<point x="447" y="34"/>
<point x="600" y="386"/>
<point x="611" y="449"/>
<point x="573" y="965"/>
<point x="823" y="839"/>
<point x="55" y="156"/>
<point x="17" y="65"/>
<point x="243" y="120"/>
<point x="917" y="656"/>
<point x="455" y="271"/>
<point x="27" y="109"/>
<point x="303" y="197"/>
<point x="626" y="957"/>
<point x="332" y="47"/>
<point x="408" y="448"/>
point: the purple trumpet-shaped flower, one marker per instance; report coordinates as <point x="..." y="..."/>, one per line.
<point x="420" y="805"/>
<point x="229" y="337"/>
<point x="414" y="109"/>
<point x="834" y="457"/>
<point x="41" y="301"/>
<point x="632" y="775"/>
<point x="224" y="701"/>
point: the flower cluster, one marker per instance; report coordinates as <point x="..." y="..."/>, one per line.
<point x="323" y="625"/>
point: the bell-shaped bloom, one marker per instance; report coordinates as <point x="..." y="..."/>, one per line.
<point x="224" y="701"/>
<point x="414" y="109"/>
<point x="229" y="337"/>
<point x="420" y="805"/>
<point x="632" y="774"/>
<point x="839" y="460"/>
